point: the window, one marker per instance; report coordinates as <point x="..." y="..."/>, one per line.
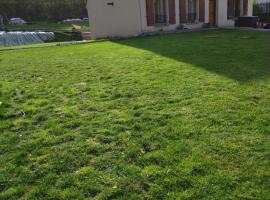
<point x="233" y="9"/>
<point x="191" y="11"/>
<point x="160" y="11"/>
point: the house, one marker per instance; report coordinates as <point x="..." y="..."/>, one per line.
<point x="125" y="18"/>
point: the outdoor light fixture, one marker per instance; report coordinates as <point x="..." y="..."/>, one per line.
<point x="110" y="4"/>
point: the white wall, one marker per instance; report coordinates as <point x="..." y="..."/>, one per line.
<point x="250" y="7"/>
<point x="121" y="20"/>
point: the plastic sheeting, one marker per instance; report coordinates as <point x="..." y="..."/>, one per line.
<point x="24" y="38"/>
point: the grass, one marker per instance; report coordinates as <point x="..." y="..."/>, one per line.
<point x="182" y="116"/>
<point x="49" y="26"/>
<point x="47" y="44"/>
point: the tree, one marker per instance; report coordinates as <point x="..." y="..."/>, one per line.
<point x="43" y="9"/>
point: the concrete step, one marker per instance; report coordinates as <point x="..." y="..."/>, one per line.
<point x="86" y="35"/>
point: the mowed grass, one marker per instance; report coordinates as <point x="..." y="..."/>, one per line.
<point x="30" y="46"/>
<point x="182" y="116"/>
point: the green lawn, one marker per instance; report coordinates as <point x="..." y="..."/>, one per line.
<point x="51" y="26"/>
<point x="39" y="45"/>
<point x="181" y="116"/>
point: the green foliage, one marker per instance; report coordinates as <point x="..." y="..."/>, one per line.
<point x="46" y="25"/>
<point x="63" y="37"/>
<point x="181" y="116"/>
<point x="43" y="10"/>
<point x="264" y="17"/>
<point x="260" y="11"/>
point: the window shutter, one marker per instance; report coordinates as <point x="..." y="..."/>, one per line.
<point x="150" y="12"/>
<point x="183" y="17"/>
<point x="245" y="7"/>
<point x="172" y="12"/>
<point x="201" y="10"/>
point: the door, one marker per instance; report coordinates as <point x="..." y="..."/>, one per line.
<point x="212" y="12"/>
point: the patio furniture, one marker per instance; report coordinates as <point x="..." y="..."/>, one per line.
<point x="247" y="21"/>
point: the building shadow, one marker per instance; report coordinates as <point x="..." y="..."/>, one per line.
<point x="239" y="55"/>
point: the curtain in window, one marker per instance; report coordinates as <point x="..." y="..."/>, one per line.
<point x="234" y="8"/>
<point x="230" y="9"/>
<point x="160" y="8"/>
<point x="160" y="11"/>
<point x="191" y="10"/>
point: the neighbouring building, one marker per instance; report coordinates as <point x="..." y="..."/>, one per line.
<point x="125" y="18"/>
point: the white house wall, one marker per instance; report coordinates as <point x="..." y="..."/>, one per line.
<point x="250" y="8"/>
<point x="128" y="17"/>
<point x="120" y="20"/>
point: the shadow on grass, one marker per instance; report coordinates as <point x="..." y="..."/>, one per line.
<point x="239" y="55"/>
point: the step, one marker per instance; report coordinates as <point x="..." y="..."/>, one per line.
<point x="86" y="35"/>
